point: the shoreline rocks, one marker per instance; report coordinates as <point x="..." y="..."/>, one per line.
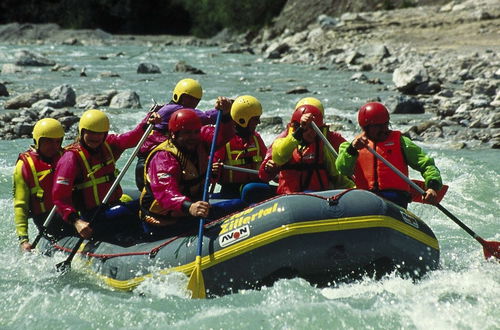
<point x="444" y="60"/>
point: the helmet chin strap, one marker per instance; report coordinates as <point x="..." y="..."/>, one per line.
<point x="244" y="132"/>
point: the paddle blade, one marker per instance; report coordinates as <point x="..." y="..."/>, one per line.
<point x="63" y="267"/>
<point x="491" y="249"/>
<point x="418" y="198"/>
<point x="196" y="284"/>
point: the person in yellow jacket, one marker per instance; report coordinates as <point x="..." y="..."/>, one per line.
<point x="33" y="179"/>
<point x="305" y="164"/>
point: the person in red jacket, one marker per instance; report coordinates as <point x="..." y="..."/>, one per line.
<point x="305" y="163"/>
<point x="87" y="170"/>
<point x="245" y="150"/>
<point x="187" y="94"/>
<point x="33" y="177"/>
<point x="399" y="150"/>
<point x="175" y="174"/>
<point x="268" y="169"/>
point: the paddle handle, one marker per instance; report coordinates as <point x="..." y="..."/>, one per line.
<point x="324" y="139"/>
<point x="240" y="169"/>
<point x="421" y="191"/>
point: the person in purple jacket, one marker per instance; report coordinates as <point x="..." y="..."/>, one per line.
<point x="186" y="95"/>
<point x="175" y="172"/>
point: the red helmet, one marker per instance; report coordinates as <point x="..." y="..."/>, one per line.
<point x="184" y="119"/>
<point x="373" y="113"/>
<point x="303" y="109"/>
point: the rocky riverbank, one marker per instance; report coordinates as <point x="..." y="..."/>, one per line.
<point x="444" y="60"/>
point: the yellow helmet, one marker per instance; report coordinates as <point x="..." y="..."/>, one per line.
<point x="47" y="128"/>
<point x="245" y="108"/>
<point x="311" y="101"/>
<point x="95" y="121"/>
<point x="187" y="86"/>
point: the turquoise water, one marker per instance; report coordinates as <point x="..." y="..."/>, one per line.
<point x="463" y="294"/>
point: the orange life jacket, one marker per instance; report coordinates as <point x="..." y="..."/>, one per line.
<point x="374" y="174"/>
<point x="39" y="176"/>
<point x="305" y="171"/>
<point x="190" y="184"/>
<point x="99" y="173"/>
<point x="239" y="153"/>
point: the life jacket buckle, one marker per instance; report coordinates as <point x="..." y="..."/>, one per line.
<point x="39" y="194"/>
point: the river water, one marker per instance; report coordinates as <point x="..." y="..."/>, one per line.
<point x="463" y="294"/>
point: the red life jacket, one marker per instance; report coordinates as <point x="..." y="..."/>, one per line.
<point x="242" y="153"/>
<point x="39" y="176"/>
<point x="99" y="172"/>
<point x="190" y="184"/>
<point x="305" y="171"/>
<point x="374" y="174"/>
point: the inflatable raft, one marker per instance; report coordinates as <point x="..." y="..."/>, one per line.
<point x="322" y="237"/>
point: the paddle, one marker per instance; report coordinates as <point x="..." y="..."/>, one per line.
<point x="324" y="139"/>
<point x="64" y="266"/>
<point x="196" y="283"/>
<point x="240" y="169"/>
<point x="415" y="194"/>
<point x="490" y="248"/>
<point x="44" y="228"/>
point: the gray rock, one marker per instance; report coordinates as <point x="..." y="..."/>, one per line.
<point x="327" y="22"/>
<point x="408" y="105"/>
<point x="61" y="68"/>
<point x="52" y="104"/>
<point x="408" y="76"/>
<point x="125" y="99"/>
<point x="479" y="101"/>
<point x="237" y="48"/>
<point x="298" y="90"/>
<point x="65" y="94"/>
<point x="27" y="58"/>
<point x="108" y="74"/>
<point x="148" y="68"/>
<point x="3" y="90"/>
<point x="276" y="50"/>
<point x="25" y="100"/>
<point x="23" y="129"/>
<point x="9" y="68"/>
<point x="89" y="101"/>
<point x="182" y="66"/>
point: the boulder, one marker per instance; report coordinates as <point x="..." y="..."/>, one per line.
<point x="182" y="66"/>
<point x="9" y="68"/>
<point x="148" y="68"/>
<point x="3" y="90"/>
<point x="125" y="99"/>
<point x="408" y="76"/>
<point x="65" y="94"/>
<point x="408" y="105"/>
<point x="26" y="100"/>
<point x="27" y="58"/>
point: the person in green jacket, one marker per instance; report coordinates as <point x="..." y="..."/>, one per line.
<point x="399" y="150"/>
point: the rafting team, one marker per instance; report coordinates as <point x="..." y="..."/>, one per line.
<point x="173" y="160"/>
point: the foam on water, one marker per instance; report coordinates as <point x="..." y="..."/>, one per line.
<point x="463" y="293"/>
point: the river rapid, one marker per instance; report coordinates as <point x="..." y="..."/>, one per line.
<point x="463" y="294"/>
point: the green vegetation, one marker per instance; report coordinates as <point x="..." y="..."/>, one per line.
<point x="202" y="18"/>
<point x="238" y="15"/>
